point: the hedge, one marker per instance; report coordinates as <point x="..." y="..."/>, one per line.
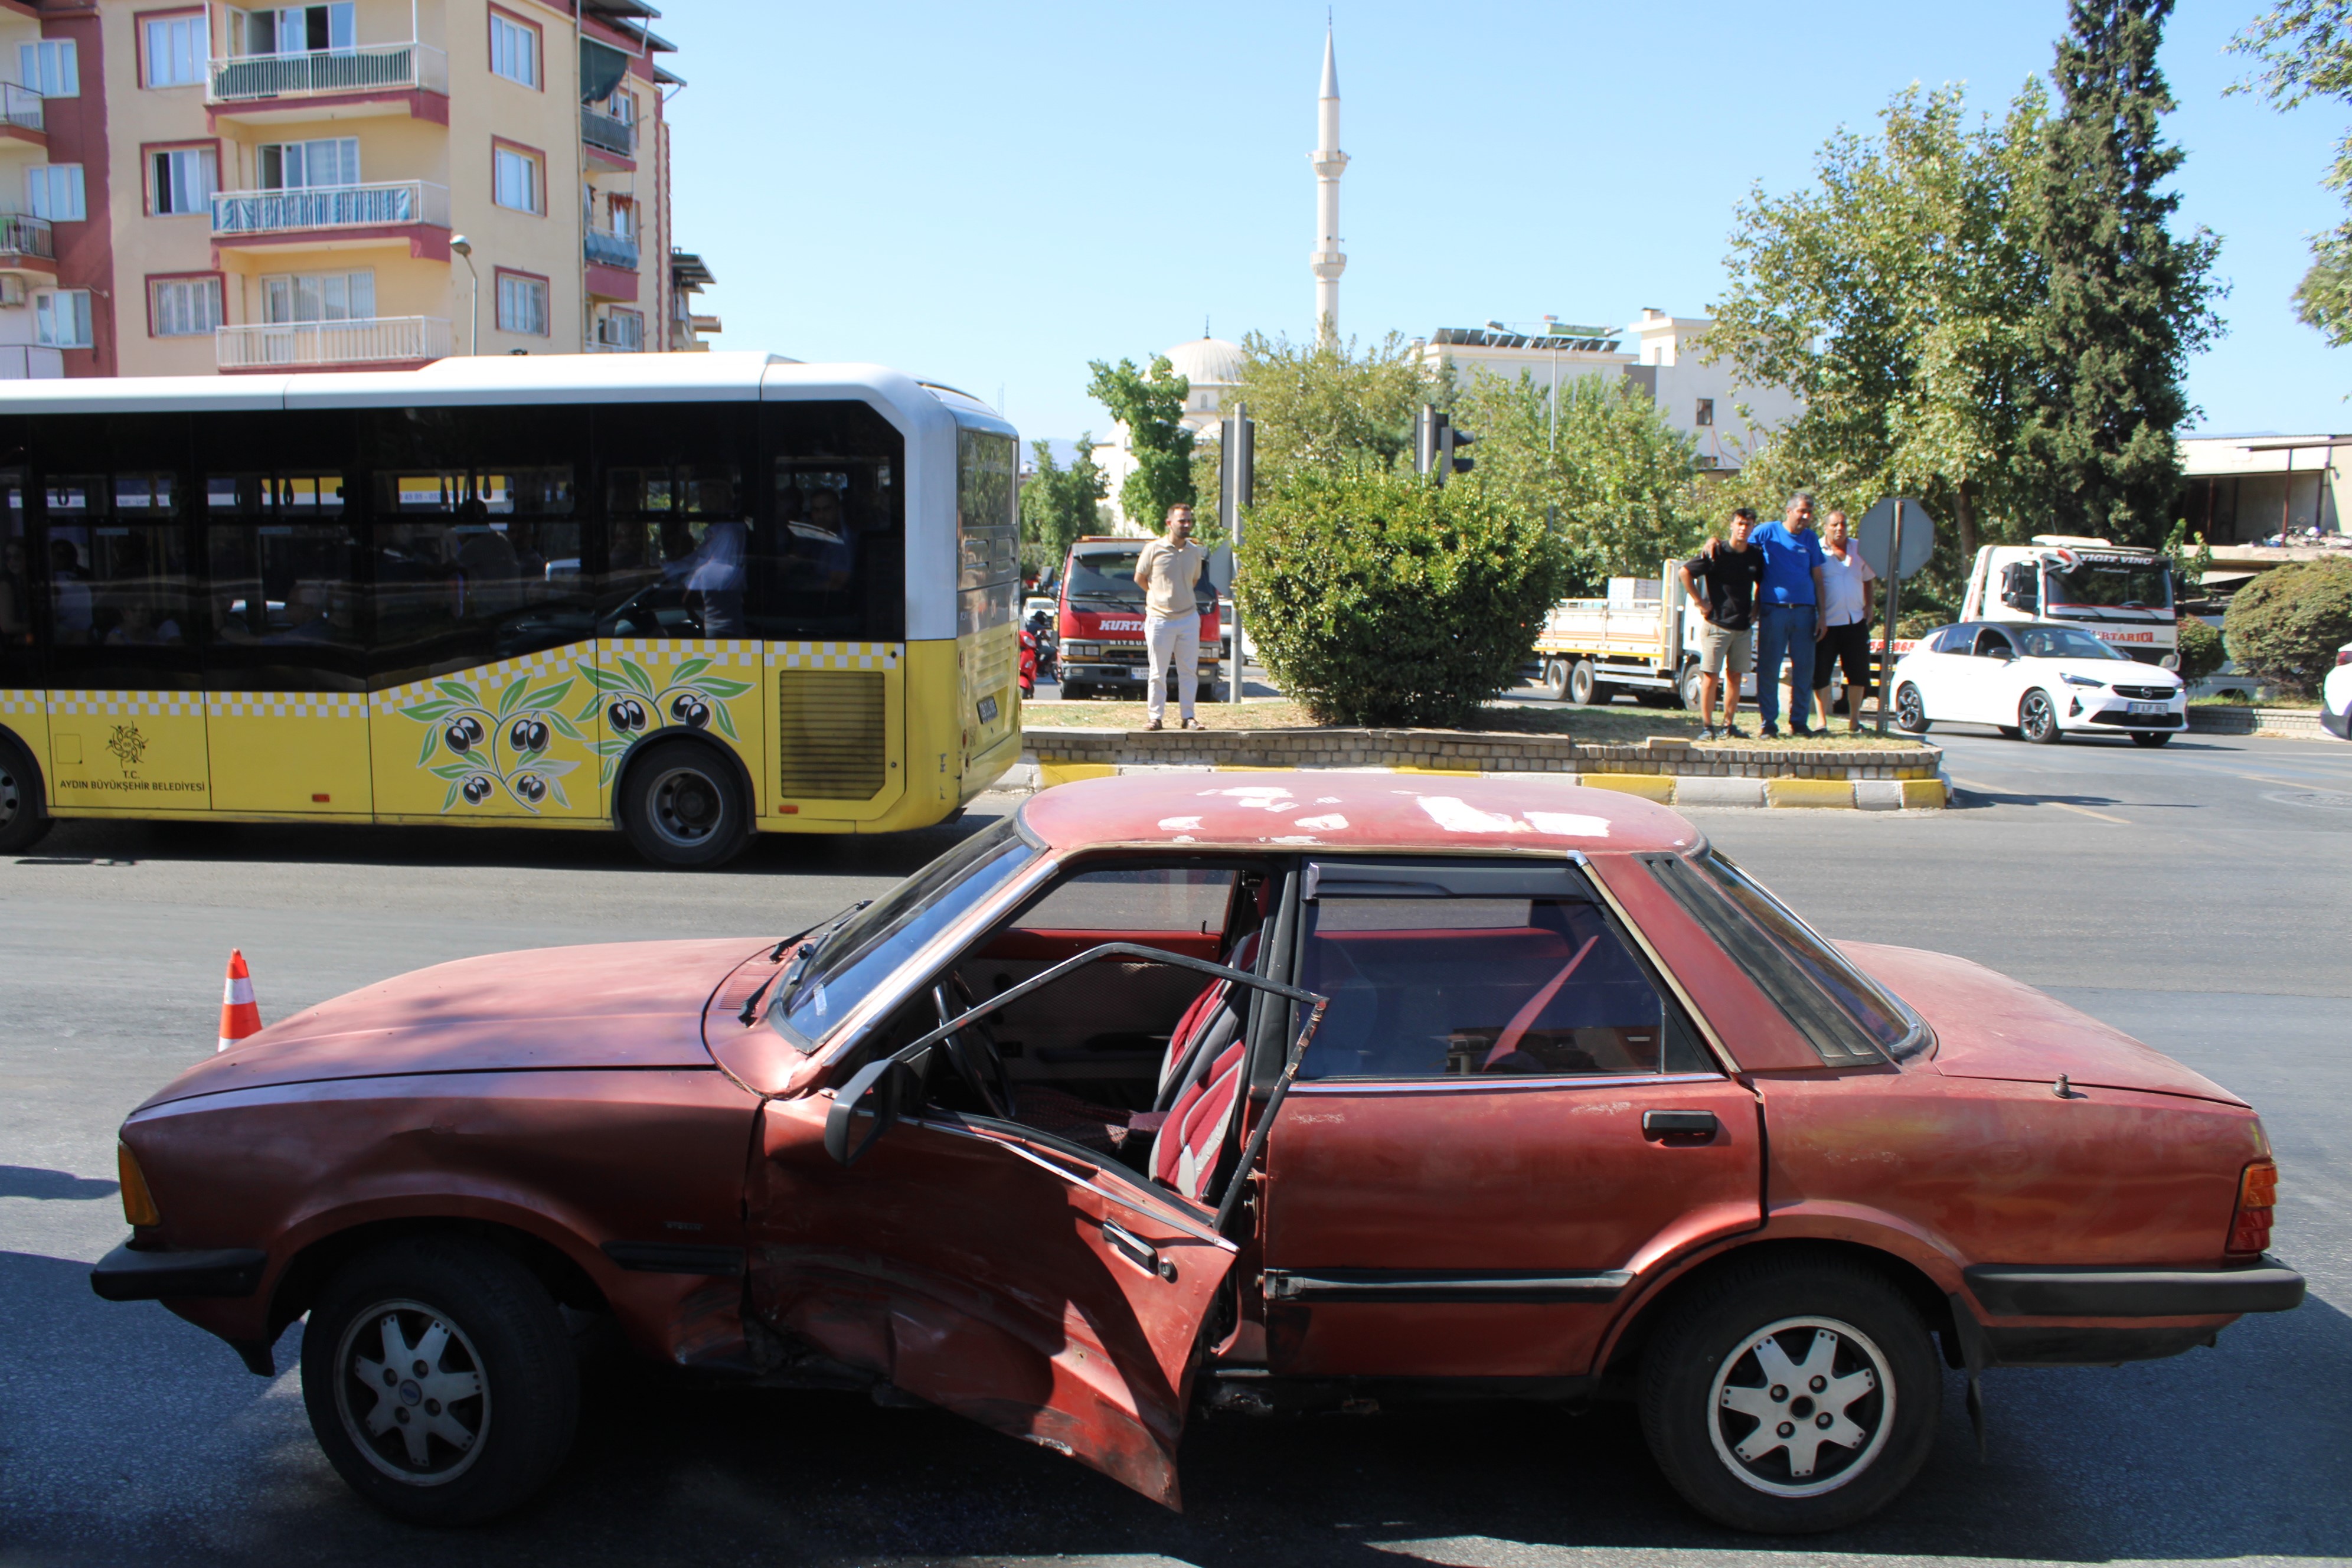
<point x="2286" y="624"/>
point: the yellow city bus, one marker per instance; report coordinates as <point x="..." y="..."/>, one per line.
<point x="687" y="597"/>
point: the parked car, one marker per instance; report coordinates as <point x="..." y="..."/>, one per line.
<point x="1286" y="1090"/>
<point x="2335" y="695"/>
<point x="2042" y="682"/>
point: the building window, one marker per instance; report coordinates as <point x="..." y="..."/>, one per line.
<point x="61" y="318"/>
<point x="625" y="106"/>
<point x="624" y="218"/>
<point x="318" y="296"/>
<point x="1705" y="415"/>
<point x="53" y="191"/>
<point x="49" y="68"/>
<point x="181" y="180"/>
<point x="514" y="49"/>
<point x="522" y="304"/>
<point x="299" y="29"/>
<point x="623" y="330"/>
<point x="183" y="307"/>
<point x="298" y="165"/>
<point x="516" y="179"/>
<point x="177" y="49"/>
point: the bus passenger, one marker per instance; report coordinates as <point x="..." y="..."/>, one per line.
<point x="70" y="599"/>
<point x="16" y="604"/>
<point x="138" y="628"/>
<point x="714" y="583"/>
<point x="825" y="543"/>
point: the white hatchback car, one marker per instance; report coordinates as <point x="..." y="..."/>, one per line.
<point x="2335" y="695"/>
<point x="2039" y="681"/>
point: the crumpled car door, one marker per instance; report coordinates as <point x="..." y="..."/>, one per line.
<point x="1052" y="1294"/>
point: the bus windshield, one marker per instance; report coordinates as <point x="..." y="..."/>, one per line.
<point x="2142" y="586"/>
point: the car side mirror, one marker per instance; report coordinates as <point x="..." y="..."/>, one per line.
<point x="884" y="1091"/>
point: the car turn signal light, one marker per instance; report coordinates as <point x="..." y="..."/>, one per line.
<point x="138" y="1202"/>
<point x="2249" y="1228"/>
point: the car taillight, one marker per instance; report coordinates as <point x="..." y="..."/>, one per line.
<point x="138" y="1202"/>
<point x="2249" y="1228"/>
<point x="2344" y="655"/>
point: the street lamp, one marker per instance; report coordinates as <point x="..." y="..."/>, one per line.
<point x="464" y="248"/>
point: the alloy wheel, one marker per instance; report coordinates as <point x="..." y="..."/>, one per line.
<point x="1910" y="709"/>
<point x="1801" y="1408"/>
<point x="410" y="1391"/>
<point x="2037" y="719"/>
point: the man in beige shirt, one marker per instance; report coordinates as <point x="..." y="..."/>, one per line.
<point x="1166" y="571"/>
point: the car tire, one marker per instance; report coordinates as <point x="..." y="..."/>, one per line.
<point x="1585" y="686"/>
<point x="2037" y="719"/>
<point x="479" y="1321"/>
<point x="2152" y="737"/>
<point x="681" y="806"/>
<point x="1708" y="1360"/>
<point x="23" y="803"/>
<point x="1911" y="711"/>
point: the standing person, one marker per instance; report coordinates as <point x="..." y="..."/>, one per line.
<point x="1848" y="590"/>
<point x="1787" y="624"/>
<point x="1166" y="571"/>
<point x="1721" y="582"/>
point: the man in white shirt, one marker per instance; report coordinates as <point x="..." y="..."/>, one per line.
<point x="1166" y="571"/>
<point x="1848" y="591"/>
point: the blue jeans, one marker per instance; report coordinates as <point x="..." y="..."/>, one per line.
<point x="1784" y="629"/>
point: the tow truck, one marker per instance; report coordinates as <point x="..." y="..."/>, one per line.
<point x="2120" y="594"/>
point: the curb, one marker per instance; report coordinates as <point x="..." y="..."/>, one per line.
<point x="1666" y="789"/>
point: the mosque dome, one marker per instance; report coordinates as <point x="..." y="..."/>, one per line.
<point x="1207" y="362"/>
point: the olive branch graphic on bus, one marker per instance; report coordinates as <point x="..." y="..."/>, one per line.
<point x="501" y="746"/>
<point x="690" y="697"/>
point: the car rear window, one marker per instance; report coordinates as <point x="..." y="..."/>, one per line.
<point x="1842" y="1013"/>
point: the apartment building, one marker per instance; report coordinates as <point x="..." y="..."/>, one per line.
<point x="357" y="185"/>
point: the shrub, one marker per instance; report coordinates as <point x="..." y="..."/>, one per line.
<point x="2201" y="651"/>
<point x="1379" y="598"/>
<point x="2286" y="624"/>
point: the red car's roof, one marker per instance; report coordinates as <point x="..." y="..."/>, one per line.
<point x="1358" y="812"/>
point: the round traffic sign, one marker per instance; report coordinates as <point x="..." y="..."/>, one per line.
<point x="1875" y="536"/>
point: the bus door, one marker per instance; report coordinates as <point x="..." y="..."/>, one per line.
<point x="23" y="708"/>
<point x="115" y="552"/>
<point x="285" y="674"/>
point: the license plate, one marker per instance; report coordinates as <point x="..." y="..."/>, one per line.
<point x="2151" y="708"/>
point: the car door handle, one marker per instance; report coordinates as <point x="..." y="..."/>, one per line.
<point x="1136" y="1251"/>
<point x="1679" y="1123"/>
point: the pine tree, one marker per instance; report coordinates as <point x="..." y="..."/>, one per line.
<point x="2128" y="303"/>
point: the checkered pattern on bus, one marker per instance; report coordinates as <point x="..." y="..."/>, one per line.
<point x="127" y="704"/>
<point x="547" y="664"/>
<point x="26" y="703"/>
<point x="835" y="655"/>
<point x="286" y="705"/>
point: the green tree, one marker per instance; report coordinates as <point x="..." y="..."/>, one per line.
<point x="1897" y="297"/>
<point x="1059" y="504"/>
<point x="2127" y="301"/>
<point x="1325" y="405"/>
<point x="1376" y="597"/>
<point x="1152" y="405"/>
<point x="1613" y="478"/>
<point x="2305" y="47"/>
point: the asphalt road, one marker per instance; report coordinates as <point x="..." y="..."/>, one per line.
<point x="2193" y="896"/>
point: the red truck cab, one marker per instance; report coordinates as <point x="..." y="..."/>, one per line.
<point x="1101" y="622"/>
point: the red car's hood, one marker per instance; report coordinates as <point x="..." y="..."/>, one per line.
<point x="620" y="1004"/>
<point x="1990" y="1027"/>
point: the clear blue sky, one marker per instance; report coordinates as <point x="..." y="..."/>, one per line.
<point x="991" y="195"/>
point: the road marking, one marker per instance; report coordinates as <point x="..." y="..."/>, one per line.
<point x="2086" y="811"/>
<point x="2290" y="783"/>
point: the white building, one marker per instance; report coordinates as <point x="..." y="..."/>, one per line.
<point x="1701" y="399"/>
<point x="2245" y="489"/>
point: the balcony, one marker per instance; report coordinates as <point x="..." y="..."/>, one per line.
<point x="605" y="249"/>
<point x="606" y="134"/>
<point x="22" y="237"/>
<point x="384" y="205"/>
<point x="20" y="110"/>
<point x="300" y="345"/>
<point x="245" y="80"/>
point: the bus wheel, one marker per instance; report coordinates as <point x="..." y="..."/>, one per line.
<point x="681" y="807"/>
<point x="24" y="814"/>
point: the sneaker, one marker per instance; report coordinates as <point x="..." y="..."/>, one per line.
<point x="1771" y="731"/>
<point x="1705" y="732"/>
<point x="1803" y="730"/>
<point x="1734" y="732"/>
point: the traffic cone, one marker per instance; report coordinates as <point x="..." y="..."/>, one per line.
<point x="240" y="1015"/>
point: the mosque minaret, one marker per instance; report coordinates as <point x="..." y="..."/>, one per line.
<point x="1330" y="162"/>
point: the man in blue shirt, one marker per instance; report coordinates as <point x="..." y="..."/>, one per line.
<point x="1788" y="619"/>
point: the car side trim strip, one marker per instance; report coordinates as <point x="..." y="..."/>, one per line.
<point x="675" y="1257"/>
<point x="1464" y="1285"/>
<point x="2048" y="1290"/>
<point x="1498" y="1081"/>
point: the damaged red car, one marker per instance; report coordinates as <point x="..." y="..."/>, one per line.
<point x="1239" y="1092"/>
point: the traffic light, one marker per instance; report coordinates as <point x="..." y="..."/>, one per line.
<point x="1454" y="440"/>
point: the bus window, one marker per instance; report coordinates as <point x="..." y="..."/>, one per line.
<point x="284" y="580"/>
<point x="117" y="563"/>
<point x="827" y="556"/>
<point x="677" y="536"/>
<point x="16" y="585"/>
<point x="476" y="564"/>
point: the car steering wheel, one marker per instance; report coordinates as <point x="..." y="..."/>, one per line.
<point x="972" y="1051"/>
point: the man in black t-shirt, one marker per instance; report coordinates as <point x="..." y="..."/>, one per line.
<point x="1721" y="581"/>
